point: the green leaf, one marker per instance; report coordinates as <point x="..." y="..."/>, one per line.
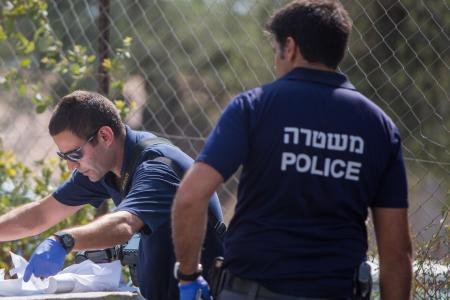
<point x="83" y="70"/>
<point x="25" y="63"/>
<point x="127" y="41"/>
<point x="120" y="104"/>
<point x="22" y="39"/>
<point x="23" y="89"/>
<point x="107" y="64"/>
<point x="75" y="69"/>
<point x="2" y="34"/>
<point x="41" y="108"/>
<point x="118" y="84"/>
<point x="29" y="48"/>
<point x="38" y="33"/>
<point x="11" y="74"/>
<point x="48" y="61"/>
<point x="24" y="45"/>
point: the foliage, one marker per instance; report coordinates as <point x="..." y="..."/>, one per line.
<point x="24" y="26"/>
<point x="25" y="30"/>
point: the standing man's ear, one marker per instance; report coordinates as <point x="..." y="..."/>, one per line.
<point x="290" y="49"/>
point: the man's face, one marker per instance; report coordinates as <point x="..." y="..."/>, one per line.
<point x="92" y="162"/>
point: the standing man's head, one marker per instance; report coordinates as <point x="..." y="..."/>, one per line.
<point x="89" y="133"/>
<point x="309" y="31"/>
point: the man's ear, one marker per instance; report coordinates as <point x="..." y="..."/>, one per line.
<point x="291" y="50"/>
<point x="105" y="135"/>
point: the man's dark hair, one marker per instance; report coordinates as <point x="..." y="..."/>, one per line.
<point x="83" y="113"/>
<point x="320" y="27"/>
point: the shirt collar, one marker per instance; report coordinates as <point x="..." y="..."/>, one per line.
<point x="334" y="79"/>
<point x="131" y="139"/>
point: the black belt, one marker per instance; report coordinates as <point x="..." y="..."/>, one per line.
<point x="245" y="286"/>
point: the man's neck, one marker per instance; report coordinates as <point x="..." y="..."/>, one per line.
<point x="300" y="62"/>
<point x="119" y="155"/>
<point x="314" y="66"/>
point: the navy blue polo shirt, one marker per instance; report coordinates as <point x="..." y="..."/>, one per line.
<point x="315" y="154"/>
<point x="153" y="186"/>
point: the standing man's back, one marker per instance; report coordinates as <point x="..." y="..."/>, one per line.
<point x="316" y="154"/>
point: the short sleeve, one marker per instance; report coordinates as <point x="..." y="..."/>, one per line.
<point x="152" y="190"/>
<point x="227" y="145"/>
<point x="79" y="190"/>
<point x="393" y="191"/>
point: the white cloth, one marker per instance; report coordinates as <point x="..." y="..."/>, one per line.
<point x="84" y="277"/>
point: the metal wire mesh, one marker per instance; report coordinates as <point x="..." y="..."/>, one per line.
<point x="189" y="58"/>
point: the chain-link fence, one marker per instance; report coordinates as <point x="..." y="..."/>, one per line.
<point x="180" y="62"/>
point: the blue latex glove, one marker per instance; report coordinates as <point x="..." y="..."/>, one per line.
<point x="194" y="289"/>
<point x="46" y="260"/>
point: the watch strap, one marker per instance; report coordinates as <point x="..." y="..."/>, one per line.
<point x="66" y="239"/>
<point x="187" y="277"/>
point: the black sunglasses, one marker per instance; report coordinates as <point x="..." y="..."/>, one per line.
<point x="76" y="154"/>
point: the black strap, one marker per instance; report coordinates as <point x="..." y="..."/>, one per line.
<point x="137" y="150"/>
<point x="219" y="226"/>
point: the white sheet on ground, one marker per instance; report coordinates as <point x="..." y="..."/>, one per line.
<point x="84" y="277"/>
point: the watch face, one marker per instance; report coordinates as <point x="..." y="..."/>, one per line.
<point x="68" y="241"/>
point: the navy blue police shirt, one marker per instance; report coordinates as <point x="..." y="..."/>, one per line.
<point x="315" y="154"/>
<point x="153" y="186"/>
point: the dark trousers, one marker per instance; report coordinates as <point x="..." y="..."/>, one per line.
<point x="157" y="257"/>
<point x="236" y="288"/>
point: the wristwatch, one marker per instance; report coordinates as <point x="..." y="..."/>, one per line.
<point x="66" y="240"/>
<point x="186" y="277"/>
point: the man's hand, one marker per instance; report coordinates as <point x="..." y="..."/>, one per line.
<point x="194" y="289"/>
<point x="46" y="260"/>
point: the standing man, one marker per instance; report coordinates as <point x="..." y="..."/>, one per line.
<point x="107" y="163"/>
<point x="316" y="154"/>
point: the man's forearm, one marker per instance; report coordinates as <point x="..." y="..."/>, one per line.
<point x="395" y="279"/>
<point x="188" y="231"/>
<point x="189" y="214"/>
<point x="33" y="218"/>
<point x="395" y="252"/>
<point x="112" y="229"/>
<point x="21" y="222"/>
<point x="26" y="220"/>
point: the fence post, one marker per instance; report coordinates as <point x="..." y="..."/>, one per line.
<point x="103" y="76"/>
